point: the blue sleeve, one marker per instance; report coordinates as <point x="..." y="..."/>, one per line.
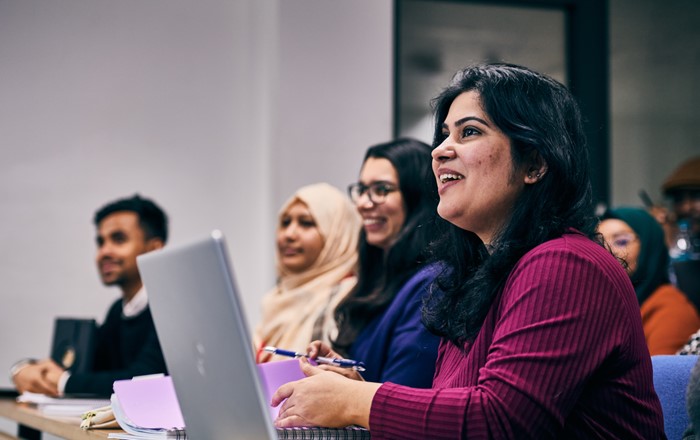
<point x="411" y="358"/>
<point x="395" y="345"/>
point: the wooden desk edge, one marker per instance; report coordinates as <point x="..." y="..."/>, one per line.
<point x="27" y="416"/>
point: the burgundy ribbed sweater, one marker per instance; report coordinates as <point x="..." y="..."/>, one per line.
<point x="561" y="354"/>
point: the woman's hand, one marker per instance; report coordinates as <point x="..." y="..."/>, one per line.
<point x="318" y="348"/>
<point x="323" y="399"/>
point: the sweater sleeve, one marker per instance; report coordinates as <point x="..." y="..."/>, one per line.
<point x="125" y="351"/>
<point x="669" y="320"/>
<point x="411" y="355"/>
<point x="104" y="341"/>
<point x="148" y="361"/>
<point x="559" y="315"/>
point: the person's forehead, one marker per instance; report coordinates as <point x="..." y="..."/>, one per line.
<point x="378" y="169"/>
<point x="297" y="207"/>
<point x="126" y="221"/>
<point x="614" y="226"/>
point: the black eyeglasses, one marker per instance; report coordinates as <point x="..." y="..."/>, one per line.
<point x="376" y="191"/>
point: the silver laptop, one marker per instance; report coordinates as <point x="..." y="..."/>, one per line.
<point x="203" y="332"/>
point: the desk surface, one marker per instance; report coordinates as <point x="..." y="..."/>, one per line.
<point x="68" y="428"/>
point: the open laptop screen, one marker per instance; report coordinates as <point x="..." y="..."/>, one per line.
<point x="204" y="335"/>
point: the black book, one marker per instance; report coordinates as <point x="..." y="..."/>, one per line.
<point x="74" y="344"/>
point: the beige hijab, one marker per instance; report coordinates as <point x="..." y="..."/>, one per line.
<point x="301" y="307"/>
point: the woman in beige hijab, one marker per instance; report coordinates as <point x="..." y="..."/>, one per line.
<point x="316" y="261"/>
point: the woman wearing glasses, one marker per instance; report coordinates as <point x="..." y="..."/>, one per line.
<point x="668" y="317"/>
<point x="379" y="321"/>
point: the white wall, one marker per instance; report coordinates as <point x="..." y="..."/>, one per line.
<point x="217" y="109"/>
<point x="100" y="99"/>
<point x="336" y="93"/>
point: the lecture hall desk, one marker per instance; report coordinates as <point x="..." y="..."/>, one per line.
<point x="35" y="423"/>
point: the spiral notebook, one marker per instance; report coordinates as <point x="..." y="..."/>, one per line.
<point x="147" y="408"/>
<point x="203" y="332"/>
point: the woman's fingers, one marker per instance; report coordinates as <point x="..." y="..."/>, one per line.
<point x="347" y="372"/>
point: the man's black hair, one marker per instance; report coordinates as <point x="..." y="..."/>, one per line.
<point x="152" y="219"/>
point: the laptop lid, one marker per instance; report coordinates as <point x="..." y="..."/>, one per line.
<point x="203" y="332"/>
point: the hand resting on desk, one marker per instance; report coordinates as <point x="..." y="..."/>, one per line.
<point x="324" y="398"/>
<point x="41" y="377"/>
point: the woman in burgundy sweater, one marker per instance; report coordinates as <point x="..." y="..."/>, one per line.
<point x="541" y="332"/>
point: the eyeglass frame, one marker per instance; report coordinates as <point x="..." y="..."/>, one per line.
<point x="631" y="237"/>
<point x="360" y="189"/>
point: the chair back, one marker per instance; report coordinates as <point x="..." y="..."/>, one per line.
<point x="671" y="373"/>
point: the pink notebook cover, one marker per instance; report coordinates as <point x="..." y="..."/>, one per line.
<point x="275" y="374"/>
<point x="150" y="402"/>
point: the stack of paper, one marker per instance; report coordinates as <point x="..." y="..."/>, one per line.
<point x="147" y="409"/>
<point x="61" y="406"/>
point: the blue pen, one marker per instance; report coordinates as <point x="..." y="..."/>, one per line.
<point x="343" y="363"/>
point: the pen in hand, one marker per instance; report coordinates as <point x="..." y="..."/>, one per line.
<point x="343" y="363"/>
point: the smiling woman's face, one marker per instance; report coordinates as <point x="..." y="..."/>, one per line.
<point x="474" y="170"/>
<point x="299" y="242"/>
<point x="622" y="240"/>
<point x="381" y="222"/>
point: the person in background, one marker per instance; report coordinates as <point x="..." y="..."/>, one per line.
<point x="317" y="237"/>
<point x="126" y="343"/>
<point x="682" y="188"/>
<point x="542" y="336"/>
<point x="379" y="321"/>
<point x="668" y="316"/>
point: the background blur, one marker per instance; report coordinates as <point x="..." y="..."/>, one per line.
<point x="219" y="110"/>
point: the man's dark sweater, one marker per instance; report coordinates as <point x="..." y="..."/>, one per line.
<point x="125" y="347"/>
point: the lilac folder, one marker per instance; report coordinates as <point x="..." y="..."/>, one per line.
<point x="150" y="402"/>
<point x="275" y="374"/>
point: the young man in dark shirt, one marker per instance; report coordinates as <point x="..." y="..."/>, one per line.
<point x="126" y="343"/>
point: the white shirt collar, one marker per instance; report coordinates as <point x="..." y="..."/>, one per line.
<point x="137" y="304"/>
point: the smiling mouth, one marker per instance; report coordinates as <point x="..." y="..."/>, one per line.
<point x="108" y="266"/>
<point x="289" y="252"/>
<point x="371" y="221"/>
<point x="444" y="178"/>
